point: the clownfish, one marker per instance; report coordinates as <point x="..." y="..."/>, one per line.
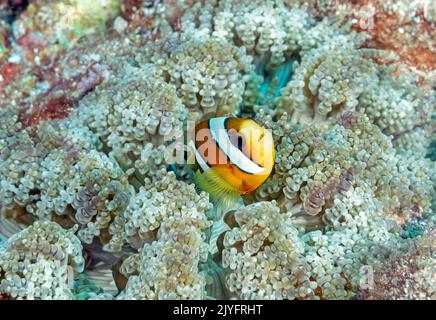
<point x="233" y="157"/>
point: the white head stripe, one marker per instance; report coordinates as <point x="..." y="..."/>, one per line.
<point x="203" y="165"/>
<point x="220" y="135"/>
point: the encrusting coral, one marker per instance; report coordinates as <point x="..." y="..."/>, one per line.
<point x="97" y="202"/>
<point x="47" y="24"/>
<point x="408" y="275"/>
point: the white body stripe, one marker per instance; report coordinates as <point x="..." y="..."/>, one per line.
<point x="220" y="135"/>
<point x="203" y="165"/>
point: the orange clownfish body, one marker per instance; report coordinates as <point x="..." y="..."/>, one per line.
<point x="235" y="156"/>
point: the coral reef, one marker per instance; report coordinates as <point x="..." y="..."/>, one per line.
<point x="135" y="118"/>
<point x="64" y="178"/>
<point x="406" y="276"/>
<point x="168" y="267"/>
<point x="326" y="82"/>
<point x="62" y="22"/>
<point x="38" y="262"/>
<point x="152" y="206"/>
<point x="317" y="171"/>
<point x="264" y="254"/>
<point x="207" y="73"/>
<point x="96" y="102"/>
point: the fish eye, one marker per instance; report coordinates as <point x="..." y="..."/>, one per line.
<point x="237" y="139"/>
<point x="240" y="142"/>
